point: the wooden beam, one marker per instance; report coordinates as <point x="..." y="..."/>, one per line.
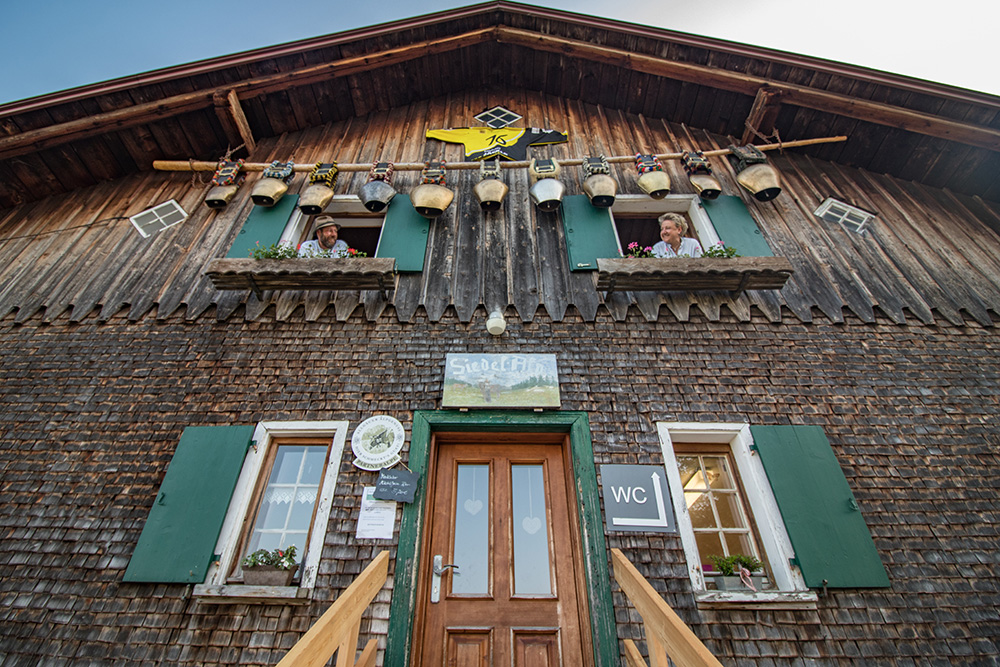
<point x="763" y="115"/>
<point x="55" y="135"/>
<point x="234" y="121"/>
<point x="820" y="100"/>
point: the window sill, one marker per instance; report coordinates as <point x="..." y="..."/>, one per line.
<point x="685" y="274"/>
<point x="357" y="273"/>
<point x="751" y="600"/>
<point x="240" y="594"/>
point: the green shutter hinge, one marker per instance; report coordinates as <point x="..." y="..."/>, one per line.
<point x="252" y="443"/>
<point x="215" y="558"/>
<point x="793" y="561"/>
<point x="755" y="449"/>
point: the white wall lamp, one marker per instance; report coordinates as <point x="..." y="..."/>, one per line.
<point x="495" y="323"/>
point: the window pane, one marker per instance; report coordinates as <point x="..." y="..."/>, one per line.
<point x="700" y="509"/>
<point x="472" y="538"/>
<point x="689" y="467"/>
<point x="530" y="529"/>
<point x="708" y="544"/>
<point x="728" y="507"/>
<point x="286" y="506"/>
<point x="739" y="543"/>
<point x="717" y="471"/>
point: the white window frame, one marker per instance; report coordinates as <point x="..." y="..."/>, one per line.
<point x="157" y="214"/>
<point x="777" y="548"/>
<point x="840" y="216"/>
<point x="689" y="205"/>
<point x="227" y="545"/>
<point x="341" y="205"/>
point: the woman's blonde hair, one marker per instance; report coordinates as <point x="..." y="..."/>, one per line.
<point x="676" y="219"/>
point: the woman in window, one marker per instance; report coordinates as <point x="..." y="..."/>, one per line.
<point x="673" y="227"/>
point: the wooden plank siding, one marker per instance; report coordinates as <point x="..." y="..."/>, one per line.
<point x="929" y="254"/>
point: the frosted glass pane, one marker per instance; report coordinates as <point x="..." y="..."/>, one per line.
<point x="530" y="530"/>
<point x="472" y="537"/>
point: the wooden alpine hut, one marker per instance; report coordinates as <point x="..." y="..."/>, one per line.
<point x="544" y="339"/>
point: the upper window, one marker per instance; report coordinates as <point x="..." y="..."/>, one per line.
<point x="359" y="228"/>
<point x="852" y="217"/>
<point x="636" y="219"/>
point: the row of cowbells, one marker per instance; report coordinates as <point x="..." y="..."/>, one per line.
<point x="431" y="197"/>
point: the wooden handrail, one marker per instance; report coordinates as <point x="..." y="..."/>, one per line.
<point x="666" y="633"/>
<point x="337" y="629"/>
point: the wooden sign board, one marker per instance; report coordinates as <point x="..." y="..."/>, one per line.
<point x="398" y="485"/>
<point x="501" y="381"/>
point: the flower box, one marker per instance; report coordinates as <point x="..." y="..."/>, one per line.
<point x="356" y="273"/>
<point x="686" y="274"/>
<point x="734" y="583"/>
<point x="264" y="575"/>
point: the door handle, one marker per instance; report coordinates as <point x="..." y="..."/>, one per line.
<point x="440" y="567"/>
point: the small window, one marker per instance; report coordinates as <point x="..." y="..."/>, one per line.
<point x="286" y="498"/>
<point x="283" y="497"/>
<point x="359" y="228"/>
<point x="637" y="220"/>
<point x="716" y="504"/>
<point x="852" y="217"/>
<point x="158" y="218"/>
<point x="724" y="506"/>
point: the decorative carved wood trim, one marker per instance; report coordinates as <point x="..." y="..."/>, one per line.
<point x="682" y="274"/>
<point x="363" y="273"/>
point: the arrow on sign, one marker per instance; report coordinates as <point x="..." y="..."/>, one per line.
<point x="660" y="521"/>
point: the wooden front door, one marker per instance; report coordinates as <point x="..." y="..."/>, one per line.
<point x="502" y="510"/>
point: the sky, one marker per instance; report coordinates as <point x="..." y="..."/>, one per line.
<point x="52" y="45"/>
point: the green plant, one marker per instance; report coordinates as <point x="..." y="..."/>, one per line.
<point x="638" y="252"/>
<point x="722" y="251"/>
<point x="274" y="251"/>
<point x="729" y="565"/>
<point x="283" y="559"/>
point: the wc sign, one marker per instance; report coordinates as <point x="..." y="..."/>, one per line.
<point x="636" y="499"/>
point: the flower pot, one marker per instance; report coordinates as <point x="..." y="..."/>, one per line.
<point x="733" y="583"/>
<point x="268" y="576"/>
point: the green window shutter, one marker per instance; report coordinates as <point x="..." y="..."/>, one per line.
<point x="590" y="233"/>
<point x="264" y="225"/>
<point x="736" y="227"/>
<point x="178" y="540"/>
<point x="404" y="235"/>
<point x="828" y="533"/>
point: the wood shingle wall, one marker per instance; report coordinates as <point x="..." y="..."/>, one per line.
<point x="931" y="254"/>
<point x="90" y="414"/>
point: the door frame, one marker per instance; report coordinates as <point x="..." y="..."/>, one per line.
<point x="595" y="552"/>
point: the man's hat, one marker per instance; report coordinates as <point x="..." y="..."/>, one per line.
<point x="324" y="221"/>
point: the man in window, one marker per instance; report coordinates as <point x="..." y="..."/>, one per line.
<point x="673" y="227"/>
<point x="325" y="242"/>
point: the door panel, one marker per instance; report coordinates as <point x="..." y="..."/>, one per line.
<point x="503" y="511"/>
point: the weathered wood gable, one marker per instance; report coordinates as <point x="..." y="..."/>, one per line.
<point x="930" y="253"/>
